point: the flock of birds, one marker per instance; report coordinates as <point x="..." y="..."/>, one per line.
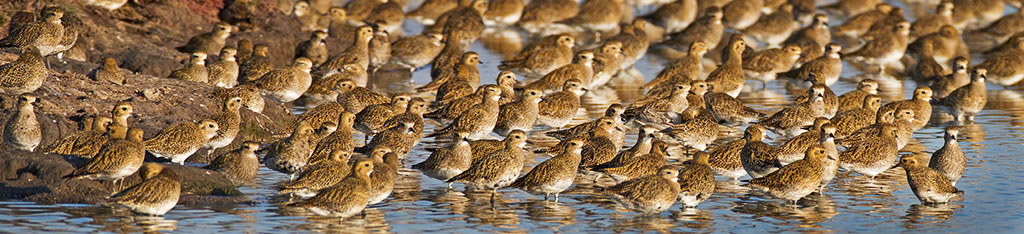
<point x="687" y="104"/>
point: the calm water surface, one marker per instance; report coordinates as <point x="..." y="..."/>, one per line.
<point x="852" y="203"/>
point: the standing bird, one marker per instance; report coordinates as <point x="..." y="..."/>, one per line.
<point x="729" y="110"/>
<point x="538" y="15"/>
<point x="855" y="98"/>
<point x="45" y="35"/>
<point x="649" y="194"/>
<point x="479" y="120"/>
<point x="195" y="69"/>
<point x="121" y="156"/>
<point x="967" y="100"/>
<point x="291" y="155"/>
<point x="85" y="143"/>
<point x="638" y="166"/>
<point x="949" y="160"/>
<point x="495" y="170"/>
<point x="503" y="12"/>
<point x="758" y="158"/>
<point x="314" y="49"/>
<point x="210" y="42"/>
<point x="256" y="65"/>
<point x="24" y="75"/>
<point x="520" y="114"/>
<point x="825" y="69"/>
<point x="288" y="83"/>
<point x="541" y="57"/>
<point x="874" y="155"/>
<point x="884" y="50"/>
<point x="340" y="139"/>
<point x="697" y="130"/>
<point x="728" y="78"/>
<point x="157" y="194"/>
<point x="372" y="118"/>
<point x="765" y="65"/>
<point x="445" y="163"/>
<point x="557" y="109"/>
<point x="696" y="180"/>
<point x="346" y="198"/>
<point x="379" y="47"/>
<point x="554" y="175"/>
<point x="582" y="69"/>
<point x="22" y="132"/>
<point x="683" y="69"/>
<point x="357" y="52"/>
<point x="790" y="120"/>
<point x="319" y="176"/>
<point x="179" y="141"/>
<point x="920" y="104"/>
<point x="796" y="180"/>
<point x="707" y="28"/>
<point x="930" y="186"/>
<point x="239" y="165"/>
<point x="223" y="72"/>
<point x="228" y="122"/>
<point x="416" y="51"/>
<point x="385" y="172"/>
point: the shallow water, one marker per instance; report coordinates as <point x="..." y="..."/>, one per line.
<point x="852" y="203"/>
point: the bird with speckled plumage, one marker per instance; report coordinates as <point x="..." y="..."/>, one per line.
<point x="290" y="155"/>
<point x="346" y="198"/>
<point x="179" y="141"/>
<point x="950" y="159"/>
<point x="554" y="175"/>
<point x="24" y="75"/>
<point x="930" y="186"/>
<point x="649" y="194"/>
<point x="796" y="180"/>
<point x="239" y="165"/>
<point x="157" y="194"/>
<point x="22" y="132"/>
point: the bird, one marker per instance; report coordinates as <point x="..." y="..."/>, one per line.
<point x="557" y="109"/>
<point x="728" y="78"/>
<point x="976" y="14"/>
<point x="614" y="111"/>
<point x="1005" y="69"/>
<point x="793" y="148"/>
<point x="696" y="180"/>
<point x="121" y="156"/>
<point x="949" y="160"/>
<point x="945" y="44"/>
<point x="873" y="156"/>
<point x="371" y="119"/>
<point x="452" y="110"/>
<point x="450" y="54"/>
<point x="340" y="139"/>
<point x="157" y="194"/>
<point x="581" y="68"/>
<point x="495" y="170"/>
<point x="223" y="72"/>
<point x="859" y="24"/>
<point x="479" y="120"/>
<point x="674" y="16"/>
<point x="320" y="176"/>
<point x="245" y="49"/>
<point x="708" y="28"/>
<point x="416" y="51"/>
<point x="920" y="104"/>
<point x="855" y="98"/>
<point x="385" y="172"/>
<point x="774" y="28"/>
<point x="180" y="140"/>
<point x="346" y="198"/>
<point x="599" y="148"/>
<point x="758" y="158"/>
<point x="461" y="81"/>
<point x="399" y="139"/>
<point x="930" y="186"/>
<point x="256" y="65"/>
<point x="428" y="12"/>
<point x="831" y="100"/>
<point x="683" y="69"/>
<point x="314" y="49"/>
<point x="485" y="147"/>
<point x="228" y="122"/>
<point x="790" y="120"/>
<point x="445" y="163"/>
<point x="661" y="112"/>
<point x="288" y="83"/>
<point x="902" y="121"/>
<point x="520" y="114"/>
<point x="796" y="180"/>
<point x="503" y="12"/>
<point x="507" y="82"/>
<point x="239" y="165"/>
<point x="851" y="120"/>
<point x="930" y="23"/>
<point x="885" y="49"/>
<point x="412" y="114"/>
<point x="554" y="175"/>
<point x="764" y="65"/>
<point x="541" y="57"/>
<point x="608" y="61"/>
<point x="946" y="84"/>
<point x="86" y="142"/>
<point x="538" y="15"/>
<point x="965" y="102"/>
<point x="638" y="166"/>
<point x="851" y="8"/>
<point x="24" y="75"/>
<point x="697" y="130"/>
<point x="354" y="98"/>
<point x="649" y="194"/>
<point x="379" y="47"/>
<point x="209" y="42"/>
<point x="45" y="35"/>
<point x="290" y="155"/>
<point x="194" y="70"/>
<point x="108" y="72"/>
<point x="645" y="139"/>
<point x="812" y="38"/>
<point x="729" y="110"/>
<point x="320" y="114"/>
<point x="826" y="69"/>
<point x="22" y="132"/>
<point x="357" y="52"/>
<point x="826" y="139"/>
<point x="467" y="18"/>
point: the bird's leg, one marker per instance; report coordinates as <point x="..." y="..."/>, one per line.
<point x="556" y="197"/>
<point x="449" y="185"/>
<point x="546" y="196"/>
